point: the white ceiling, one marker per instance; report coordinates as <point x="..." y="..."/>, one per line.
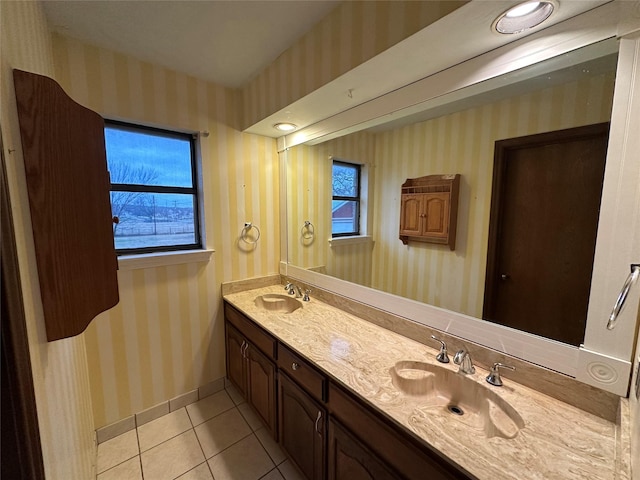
<point x="226" y="42"/>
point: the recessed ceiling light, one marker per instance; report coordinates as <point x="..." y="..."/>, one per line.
<point x="524" y="16"/>
<point x="285" y="127"/>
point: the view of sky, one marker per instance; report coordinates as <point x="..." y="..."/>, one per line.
<point x="167" y="158"/>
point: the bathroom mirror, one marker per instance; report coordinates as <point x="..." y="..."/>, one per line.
<point x="459" y="274"/>
<point x="454" y="138"/>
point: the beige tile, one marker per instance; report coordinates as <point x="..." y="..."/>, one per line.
<point x="289" y="471"/>
<point x="245" y="460"/>
<point x="235" y="394"/>
<point x="117" y="450"/>
<point x="150" y="414"/>
<point x="183" y="400"/>
<point x="271" y="446"/>
<point x="221" y="432"/>
<point x="118" y="428"/>
<point x="201" y="472"/>
<point x="250" y="416"/>
<point x="273" y="475"/>
<point x="129" y="470"/>
<point x="172" y="458"/>
<point x="209" y="407"/>
<point x="162" y="429"/>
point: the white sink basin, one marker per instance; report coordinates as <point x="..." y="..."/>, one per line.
<point x="275" y="302"/>
<point x="444" y="396"/>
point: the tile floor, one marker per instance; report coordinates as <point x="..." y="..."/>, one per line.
<point x="217" y="438"/>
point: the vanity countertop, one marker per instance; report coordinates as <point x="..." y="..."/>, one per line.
<point x="558" y="441"/>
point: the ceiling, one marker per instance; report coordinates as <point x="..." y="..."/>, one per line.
<point x="225" y="42"/>
<point x="230" y="42"/>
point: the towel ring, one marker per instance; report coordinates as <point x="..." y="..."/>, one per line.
<point x="308" y="230"/>
<point x="244" y="234"/>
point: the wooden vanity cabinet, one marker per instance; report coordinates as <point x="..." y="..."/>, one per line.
<point x="429" y="209"/>
<point x="364" y="445"/>
<point x="350" y="459"/>
<point x="302" y="428"/>
<point x="252" y="369"/>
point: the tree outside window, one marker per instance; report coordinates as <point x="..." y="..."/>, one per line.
<point x="345" y="205"/>
<point x="153" y="189"/>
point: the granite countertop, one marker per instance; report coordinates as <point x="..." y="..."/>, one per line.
<point x="558" y="440"/>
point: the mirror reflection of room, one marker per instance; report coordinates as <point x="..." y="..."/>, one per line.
<point x="459" y="138"/>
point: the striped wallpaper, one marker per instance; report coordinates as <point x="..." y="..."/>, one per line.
<point x="60" y="375"/>
<point x="166" y="335"/>
<point x="308" y="175"/>
<point x="462" y="143"/>
<point x="351" y="34"/>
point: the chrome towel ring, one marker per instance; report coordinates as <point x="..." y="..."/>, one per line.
<point x="622" y="297"/>
<point x="308" y="230"/>
<point x="245" y="233"/>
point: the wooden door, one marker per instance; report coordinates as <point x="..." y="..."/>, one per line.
<point x="261" y="387"/>
<point x="436" y="214"/>
<point x="349" y="459"/>
<point x="411" y="215"/>
<point x="301" y="428"/>
<point x="68" y="185"/>
<point x="236" y="364"/>
<point x="542" y="234"/>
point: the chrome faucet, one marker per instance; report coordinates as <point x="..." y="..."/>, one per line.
<point x="494" y="375"/>
<point x="463" y="359"/>
<point x="297" y="291"/>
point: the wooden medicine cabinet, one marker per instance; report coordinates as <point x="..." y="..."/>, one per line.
<point x="429" y="209"/>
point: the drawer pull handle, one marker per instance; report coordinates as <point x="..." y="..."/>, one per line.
<point x="318" y="422"/>
<point x="295" y="366"/>
<point x="243" y="349"/>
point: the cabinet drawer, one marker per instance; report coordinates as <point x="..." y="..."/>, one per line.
<point x="251" y="331"/>
<point x="302" y="372"/>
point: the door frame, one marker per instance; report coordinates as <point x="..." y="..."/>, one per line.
<point x="18" y="391"/>
<point x="501" y="152"/>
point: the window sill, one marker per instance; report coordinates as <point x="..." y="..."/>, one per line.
<point x="151" y="260"/>
<point x="339" y="241"/>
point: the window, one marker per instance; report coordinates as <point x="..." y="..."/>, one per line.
<point x="153" y="189"/>
<point x="345" y="207"/>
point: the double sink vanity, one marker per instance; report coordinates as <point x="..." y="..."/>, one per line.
<point x="348" y="399"/>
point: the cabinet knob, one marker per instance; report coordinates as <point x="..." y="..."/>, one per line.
<point x="115" y="219"/>
<point x="504" y="276"/>
<point x="295" y="366"/>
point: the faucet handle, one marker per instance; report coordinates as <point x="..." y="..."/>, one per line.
<point x="442" y="357"/>
<point x="288" y="285"/>
<point x="494" y="374"/>
<point x="306" y="298"/>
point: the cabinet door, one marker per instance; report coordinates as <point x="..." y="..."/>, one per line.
<point x="411" y="214"/>
<point x="349" y="459"/>
<point x="436" y="210"/>
<point x="302" y="428"/>
<point x="236" y="364"/>
<point x="261" y="387"/>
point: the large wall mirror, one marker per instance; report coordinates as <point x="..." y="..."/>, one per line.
<point x="456" y="136"/>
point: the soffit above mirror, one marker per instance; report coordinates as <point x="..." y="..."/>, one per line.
<point x="409" y="61"/>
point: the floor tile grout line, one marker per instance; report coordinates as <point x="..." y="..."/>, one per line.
<point x="116" y="465"/>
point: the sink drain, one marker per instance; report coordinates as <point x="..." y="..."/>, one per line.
<point x="455" y="410"/>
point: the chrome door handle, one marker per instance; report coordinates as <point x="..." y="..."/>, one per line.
<point x="622" y="297"/>
<point x="244" y="348"/>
